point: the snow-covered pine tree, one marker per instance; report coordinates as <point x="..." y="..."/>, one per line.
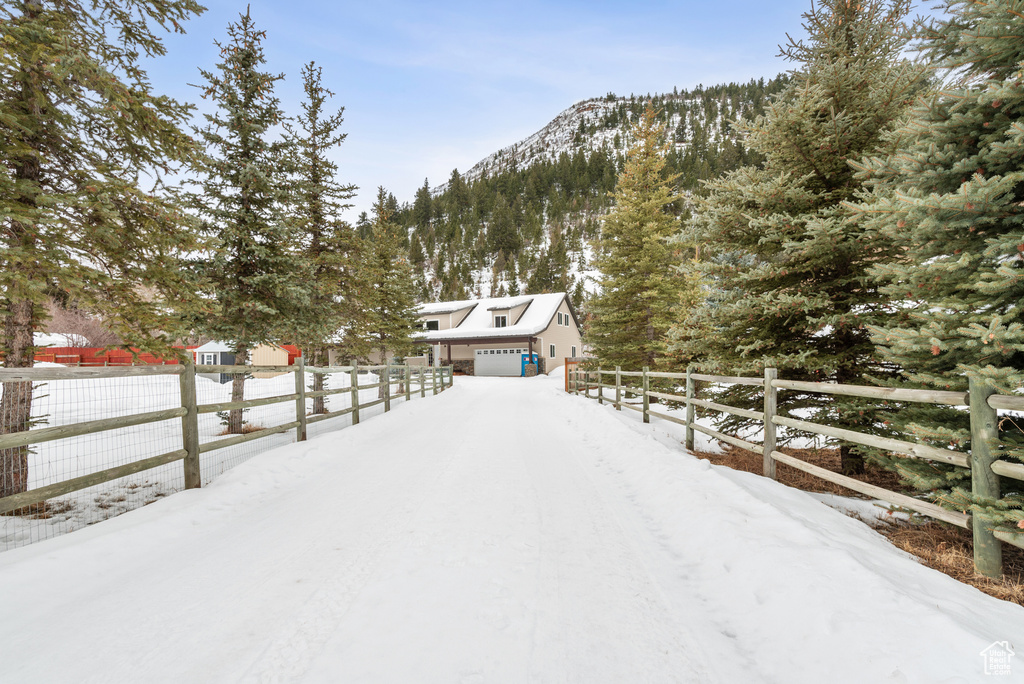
<point x="952" y="201"/>
<point x="788" y="267"/>
<point x="632" y="312"/>
<point x="255" y="281"/>
<point x="329" y="246"/>
<point x="388" y="317"/>
<point x="83" y="141"/>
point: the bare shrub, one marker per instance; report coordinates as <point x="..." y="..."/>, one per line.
<point x="81" y="328"/>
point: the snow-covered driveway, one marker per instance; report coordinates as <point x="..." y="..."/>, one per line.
<point x="500" y="532"/>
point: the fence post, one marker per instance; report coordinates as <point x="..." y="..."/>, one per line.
<point x="423" y="384"/>
<point x="647" y="399"/>
<point x="433" y="380"/>
<point x="190" y="426"/>
<point x="387" y="386"/>
<point x="988" y="551"/>
<point x="618" y="388"/>
<point x="691" y="392"/>
<point x="586" y="383"/>
<point x="300" y="402"/>
<point x="354" y="390"/>
<point x="600" y="390"/>
<point x="407" y="376"/>
<point x="771" y="403"/>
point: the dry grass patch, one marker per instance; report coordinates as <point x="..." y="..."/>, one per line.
<point x="246" y="429"/>
<point x="42" y="510"/>
<point x="949" y="549"/>
<point x="943" y="547"/>
<point x="748" y="461"/>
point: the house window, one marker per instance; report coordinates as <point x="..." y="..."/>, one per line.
<point x="500" y="321"/>
<point x="574" y="352"/>
<point x="432" y="325"/>
<point x="208" y="359"/>
<point x="559" y="318"/>
<point x="551" y="348"/>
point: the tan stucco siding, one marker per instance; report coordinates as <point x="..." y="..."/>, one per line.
<point x="443" y="320"/>
<point x="457" y="317"/>
<point x="516" y="312"/>
<point x="564" y="337"/>
<point x="447" y="321"/>
<point x="501" y="312"/>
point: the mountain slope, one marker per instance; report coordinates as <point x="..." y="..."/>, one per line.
<point x="523" y="217"/>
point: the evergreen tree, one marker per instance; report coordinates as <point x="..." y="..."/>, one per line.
<point x="638" y="288"/>
<point x="255" y="281"/>
<point x="502" y="233"/>
<point x="789" y="268"/>
<point x="422" y="207"/>
<point x="389" y="302"/>
<point x="952" y="200"/>
<point x="81" y="131"/>
<point x="363" y="225"/>
<point x="329" y="246"/>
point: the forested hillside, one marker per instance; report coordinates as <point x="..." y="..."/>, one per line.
<point x="522" y="219"/>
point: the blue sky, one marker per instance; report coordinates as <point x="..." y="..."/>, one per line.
<point x="432" y="86"/>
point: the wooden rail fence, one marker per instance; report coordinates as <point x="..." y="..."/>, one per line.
<point x="982" y="402"/>
<point x="425" y="378"/>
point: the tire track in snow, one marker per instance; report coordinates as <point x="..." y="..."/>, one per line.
<point x="288" y="657"/>
<point x="612" y="621"/>
<point x="646" y="535"/>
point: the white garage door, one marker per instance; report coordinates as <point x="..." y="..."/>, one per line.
<point x="504" y="362"/>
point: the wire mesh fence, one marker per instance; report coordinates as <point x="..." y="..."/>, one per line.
<point x="60" y="403"/>
<point x="217" y="388"/>
<point x="79" y="435"/>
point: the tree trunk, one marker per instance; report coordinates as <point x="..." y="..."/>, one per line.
<point x="22" y="313"/>
<point x="319" y="359"/>
<point x="852" y="464"/>
<point x="235" y="419"/>
<point x="16" y="401"/>
<point x="380" y="374"/>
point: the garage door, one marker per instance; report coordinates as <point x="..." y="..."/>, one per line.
<point x="504" y="362"/>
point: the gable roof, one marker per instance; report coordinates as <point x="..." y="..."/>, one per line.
<point x="478" y="322"/>
<point x="214" y="346"/>
<point x="445" y="307"/>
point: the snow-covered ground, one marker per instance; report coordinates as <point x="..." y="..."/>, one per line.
<point x="502" y="532"/>
<point x="66" y="402"/>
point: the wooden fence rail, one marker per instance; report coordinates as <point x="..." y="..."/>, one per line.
<point x="981" y="401"/>
<point x="437" y="380"/>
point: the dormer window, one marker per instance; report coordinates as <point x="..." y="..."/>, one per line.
<point x="500" y="321"/>
<point x="431" y="325"/>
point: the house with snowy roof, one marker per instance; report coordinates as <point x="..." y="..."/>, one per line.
<point x="499" y="335"/>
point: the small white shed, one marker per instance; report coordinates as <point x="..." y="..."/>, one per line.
<point x="215" y="354"/>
